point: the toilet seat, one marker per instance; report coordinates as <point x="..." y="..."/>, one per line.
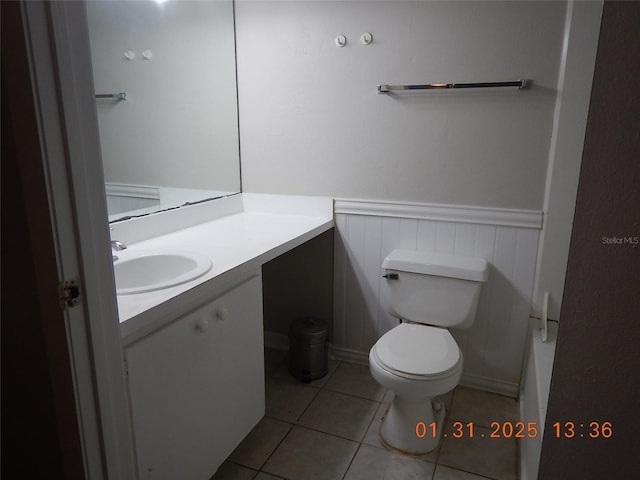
<point x="413" y="350"/>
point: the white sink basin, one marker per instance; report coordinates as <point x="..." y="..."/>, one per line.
<point x="150" y="271"/>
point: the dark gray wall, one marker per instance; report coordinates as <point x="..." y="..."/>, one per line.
<point x="596" y="374"/>
<point x="299" y="284"/>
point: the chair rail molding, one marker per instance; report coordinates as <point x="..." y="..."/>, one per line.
<point x="444" y="213"/>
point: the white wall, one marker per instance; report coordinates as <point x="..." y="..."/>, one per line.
<point x="312" y="123"/>
<point x="179" y="126"/>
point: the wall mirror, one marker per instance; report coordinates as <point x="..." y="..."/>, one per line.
<point x="174" y="139"/>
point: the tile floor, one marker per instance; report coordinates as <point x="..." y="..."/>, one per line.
<point x="328" y="430"/>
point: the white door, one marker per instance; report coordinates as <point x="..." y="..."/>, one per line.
<point x="59" y="60"/>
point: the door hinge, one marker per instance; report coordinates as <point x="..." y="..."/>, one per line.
<point x="70" y="293"/>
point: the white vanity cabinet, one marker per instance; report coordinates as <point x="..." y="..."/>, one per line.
<point x="197" y="386"/>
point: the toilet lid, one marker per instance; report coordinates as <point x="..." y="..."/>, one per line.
<point x="418" y="349"/>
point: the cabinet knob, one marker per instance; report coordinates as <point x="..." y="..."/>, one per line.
<point x="202" y="325"/>
<point x="222" y="313"/>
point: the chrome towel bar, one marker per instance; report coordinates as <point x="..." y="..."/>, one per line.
<point x="115" y="96"/>
<point x="443" y="86"/>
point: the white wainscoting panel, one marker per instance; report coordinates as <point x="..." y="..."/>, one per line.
<point x="494" y="345"/>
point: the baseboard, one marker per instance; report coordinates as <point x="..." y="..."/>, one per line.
<point x="348" y="355"/>
<point x="490" y="385"/>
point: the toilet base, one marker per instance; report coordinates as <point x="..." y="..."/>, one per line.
<point x="400" y="429"/>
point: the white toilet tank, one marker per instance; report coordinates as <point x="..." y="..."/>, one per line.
<point x="434" y="288"/>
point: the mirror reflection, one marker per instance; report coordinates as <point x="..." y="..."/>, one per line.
<point x="174" y="139"/>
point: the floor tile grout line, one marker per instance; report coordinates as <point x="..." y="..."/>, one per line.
<point x="330" y="374"/>
<point x="355" y="454"/>
<point x="267" y="473"/>
<point x="458" y="469"/>
<point x="353" y="396"/>
<point x="326" y="433"/>
<point x="327" y="380"/>
<point x="356" y="396"/>
<point x="288" y="433"/>
<point x="371" y="422"/>
<point x="240" y="465"/>
<point x="276" y="448"/>
<point x="436" y="462"/>
<point x="361" y="441"/>
<point x="447" y="417"/>
<point x="326" y="387"/>
<point x="308" y="405"/>
<point x="297" y="423"/>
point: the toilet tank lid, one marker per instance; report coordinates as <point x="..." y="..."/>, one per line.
<point x="439" y="264"/>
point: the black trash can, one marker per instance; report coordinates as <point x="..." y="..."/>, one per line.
<point x="308" y="349"/>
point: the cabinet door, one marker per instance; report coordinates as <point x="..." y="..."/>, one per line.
<point x="197" y="386"/>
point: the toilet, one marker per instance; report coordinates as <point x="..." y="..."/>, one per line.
<point x="419" y="359"/>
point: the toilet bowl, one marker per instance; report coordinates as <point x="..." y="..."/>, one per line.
<point x="419" y="359"/>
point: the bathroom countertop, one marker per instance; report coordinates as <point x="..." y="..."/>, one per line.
<point x="237" y="244"/>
